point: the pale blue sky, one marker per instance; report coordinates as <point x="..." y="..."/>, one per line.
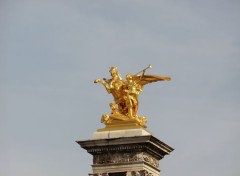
<point x="52" y="50"/>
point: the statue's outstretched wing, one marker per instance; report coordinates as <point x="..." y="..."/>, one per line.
<point x="146" y="79"/>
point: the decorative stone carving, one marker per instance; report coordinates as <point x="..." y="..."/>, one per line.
<point x="150" y="160"/>
<point x="129" y="173"/>
<point x="134" y="173"/>
<point x="147" y="173"/>
<point x="125" y="158"/>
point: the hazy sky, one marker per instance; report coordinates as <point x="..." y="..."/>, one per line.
<point x="52" y="50"/>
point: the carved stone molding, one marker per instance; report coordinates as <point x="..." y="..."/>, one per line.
<point x="148" y="143"/>
<point x="125" y="158"/>
<point x="140" y="173"/>
<point x="129" y="173"/>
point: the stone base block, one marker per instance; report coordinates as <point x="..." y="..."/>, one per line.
<point x="120" y="133"/>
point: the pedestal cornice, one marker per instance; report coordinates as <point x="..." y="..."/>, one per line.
<point x="148" y="144"/>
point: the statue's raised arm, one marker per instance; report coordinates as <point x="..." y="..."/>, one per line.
<point x="125" y="94"/>
<point x="112" y="83"/>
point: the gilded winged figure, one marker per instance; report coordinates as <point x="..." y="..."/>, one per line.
<point x="125" y="94"/>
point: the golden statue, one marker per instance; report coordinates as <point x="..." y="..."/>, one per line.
<point x="125" y="93"/>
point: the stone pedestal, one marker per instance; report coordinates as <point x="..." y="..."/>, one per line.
<point x="133" y="152"/>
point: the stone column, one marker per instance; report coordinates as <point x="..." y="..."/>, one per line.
<point x="132" y="152"/>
